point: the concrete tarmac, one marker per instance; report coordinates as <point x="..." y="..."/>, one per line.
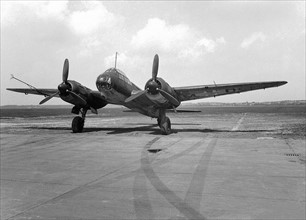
<point x="213" y="166"/>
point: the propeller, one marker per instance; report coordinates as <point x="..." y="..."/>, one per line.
<point x="48" y="98"/>
<point x="153" y="86"/>
<point x="169" y="97"/>
<point x="80" y="100"/>
<point x="65" y="88"/>
<point x="65" y="70"/>
<point x="155" y="67"/>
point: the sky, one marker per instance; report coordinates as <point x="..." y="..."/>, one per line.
<point x="198" y="43"/>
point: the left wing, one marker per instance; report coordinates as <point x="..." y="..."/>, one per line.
<point x="44" y="92"/>
<point x="206" y="91"/>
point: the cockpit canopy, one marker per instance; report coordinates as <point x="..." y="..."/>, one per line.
<point x="104" y="81"/>
<point x="114" y="70"/>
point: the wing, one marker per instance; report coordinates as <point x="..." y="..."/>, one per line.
<point x="142" y="99"/>
<point x="44" y="92"/>
<point x="206" y="91"/>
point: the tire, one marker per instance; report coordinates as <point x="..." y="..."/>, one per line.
<point x="165" y="126"/>
<point x="77" y="124"/>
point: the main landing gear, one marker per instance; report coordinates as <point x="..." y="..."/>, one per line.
<point x="164" y="122"/>
<point x="78" y="122"/>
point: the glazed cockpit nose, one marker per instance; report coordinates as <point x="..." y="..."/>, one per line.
<point x="104" y="82"/>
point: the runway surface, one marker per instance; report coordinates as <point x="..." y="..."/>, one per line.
<point x="215" y="165"/>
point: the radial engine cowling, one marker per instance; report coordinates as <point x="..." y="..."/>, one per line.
<point x="79" y="95"/>
<point x="160" y="86"/>
<point x="153" y="86"/>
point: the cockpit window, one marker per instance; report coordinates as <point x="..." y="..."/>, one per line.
<point x="120" y="72"/>
<point x="115" y="70"/>
<point x="104" y="82"/>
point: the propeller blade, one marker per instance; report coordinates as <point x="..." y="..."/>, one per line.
<point x="78" y="98"/>
<point x="155" y="67"/>
<point x="134" y="96"/>
<point x="48" y="98"/>
<point x="65" y="70"/>
<point x="169" y="97"/>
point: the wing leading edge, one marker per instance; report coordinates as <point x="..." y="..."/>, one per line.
<point x="44" y="92"/>
<point x="206" y="91"/>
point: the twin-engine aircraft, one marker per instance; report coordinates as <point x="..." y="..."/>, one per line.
<point x="115" y="88"/>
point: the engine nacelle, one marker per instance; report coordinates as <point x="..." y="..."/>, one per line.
<point x="79" y="95"/>
<point x="153" y="88"/>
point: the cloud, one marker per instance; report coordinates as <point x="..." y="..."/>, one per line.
<point x="91" y="18"/>
<point x="84" y="17"/>
<point x="179" y="38"/>
<point x="158" y="34"/>
<point x="255" y="37"/>
<point x="11" y="11"/>
<point x="91" y="22"/>
<point x="201" y="47"/>
<point x="124" y="60"/>
<point x="109" y="61"/>
<point x="82" y="24"/>
<point x="89" y="45"/>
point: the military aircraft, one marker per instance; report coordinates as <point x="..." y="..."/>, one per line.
<point x="115" y="88"/>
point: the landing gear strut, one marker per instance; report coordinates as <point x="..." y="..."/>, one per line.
<point x="78" y="122"/>
<point x="164" y="122"/>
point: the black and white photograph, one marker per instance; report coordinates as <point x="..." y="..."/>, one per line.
<point x="153" y="110"/>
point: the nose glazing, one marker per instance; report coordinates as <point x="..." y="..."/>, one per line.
<point x="104" y="82"/>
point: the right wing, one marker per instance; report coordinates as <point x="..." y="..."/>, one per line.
<point x="44" y="92"/>
<point x="142" y="99"/>
<point x="206" y="91"/>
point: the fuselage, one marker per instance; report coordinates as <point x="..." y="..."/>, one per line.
<point x="116" y="88"/>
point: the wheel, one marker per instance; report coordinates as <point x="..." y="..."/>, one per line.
<point x="77" y="124"/>
<point x="165" y="126"/>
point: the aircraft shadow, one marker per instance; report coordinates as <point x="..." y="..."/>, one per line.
<point x="156" y="124"/>
<point x="153" y="129"/>
<point x="111" y="130"/>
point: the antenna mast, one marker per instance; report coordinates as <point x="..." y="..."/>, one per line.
<point x="32" y="87"/>
<point x="116" y="60"/>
